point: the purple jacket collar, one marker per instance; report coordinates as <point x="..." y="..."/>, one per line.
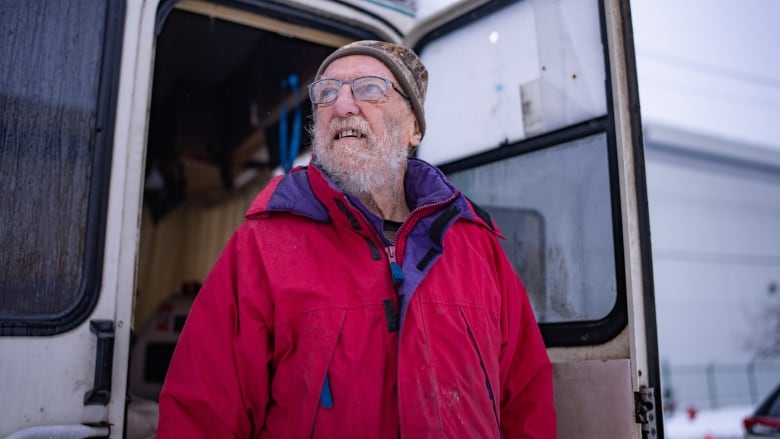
<point x="424" y="185"/>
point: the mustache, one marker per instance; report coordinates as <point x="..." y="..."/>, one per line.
<point x="353" y="122"/>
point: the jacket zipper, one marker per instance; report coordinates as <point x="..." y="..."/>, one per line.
<point x="392" y="259"/>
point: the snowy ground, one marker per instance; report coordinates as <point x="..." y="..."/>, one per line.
<point x="723" y="423"/>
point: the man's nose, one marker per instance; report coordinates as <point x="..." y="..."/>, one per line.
<point x="345" y="103"/>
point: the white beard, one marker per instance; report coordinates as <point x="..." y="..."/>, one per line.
<point x="361" y="169"/>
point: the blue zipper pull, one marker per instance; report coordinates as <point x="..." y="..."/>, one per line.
<point x="395" y="269"/>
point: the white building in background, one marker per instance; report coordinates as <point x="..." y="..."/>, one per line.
<point x="715" y="224"/>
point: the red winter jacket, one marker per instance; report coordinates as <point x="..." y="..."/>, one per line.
<point x="312" y="324"/>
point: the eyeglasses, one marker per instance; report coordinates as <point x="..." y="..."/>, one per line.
<point x="364" y="88"/>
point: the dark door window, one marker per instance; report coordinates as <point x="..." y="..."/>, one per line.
<point x="56" y="118"/>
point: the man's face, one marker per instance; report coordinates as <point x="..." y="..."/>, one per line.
<point x="363" y="145"/>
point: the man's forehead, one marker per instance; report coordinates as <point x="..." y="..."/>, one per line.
<point x="352" y="66"/>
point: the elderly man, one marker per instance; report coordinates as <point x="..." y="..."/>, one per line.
<point x="364" y="296"/>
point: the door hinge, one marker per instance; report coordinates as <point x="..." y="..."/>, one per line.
<point x="644" y="411"/>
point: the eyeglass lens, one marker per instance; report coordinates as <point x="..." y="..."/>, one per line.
<point x="364" y="88"/>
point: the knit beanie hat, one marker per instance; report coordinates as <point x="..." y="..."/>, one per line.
<point x="404" y="63"/>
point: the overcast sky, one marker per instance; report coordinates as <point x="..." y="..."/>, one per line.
<point x="711" y="66"/>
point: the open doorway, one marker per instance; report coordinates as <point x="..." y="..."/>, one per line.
<point x="228" y="111"/>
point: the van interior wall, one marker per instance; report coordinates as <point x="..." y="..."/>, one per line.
<point x="220" y="90"/>
<point x="183" y="245"/>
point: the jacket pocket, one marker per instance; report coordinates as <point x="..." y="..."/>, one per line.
<point x="300" y="388"/>
<point x="326" y="401"/>
<point x="489" y="388"/>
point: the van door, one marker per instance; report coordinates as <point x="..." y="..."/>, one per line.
<point x="63" y="274"/>
<point x="532" y="110"/>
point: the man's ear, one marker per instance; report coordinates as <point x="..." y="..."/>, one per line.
<point x="416" y="136"/>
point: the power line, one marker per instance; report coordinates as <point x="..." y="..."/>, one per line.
<point x="711" y="69"/>
<point x="714" y="257"/>
<point x="709" y="93"/>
